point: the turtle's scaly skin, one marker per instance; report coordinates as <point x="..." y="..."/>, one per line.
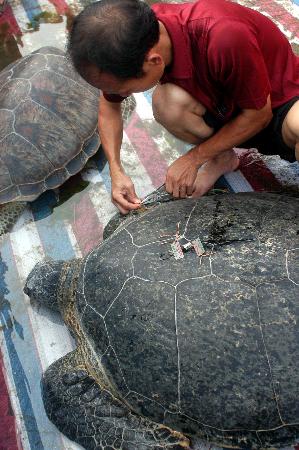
<point x="208" y="347"/>
<point x="9" y="213"/>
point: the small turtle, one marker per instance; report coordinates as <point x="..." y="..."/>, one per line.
<point x="173" y="350"/>
<point x="48" y="127"/>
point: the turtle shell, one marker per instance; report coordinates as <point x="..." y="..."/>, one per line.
<point x="207" y="345"/>
<point x="48" y="123"/>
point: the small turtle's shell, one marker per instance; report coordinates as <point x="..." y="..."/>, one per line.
<point x="48" y="121"/>
<point x="207" y="345"/>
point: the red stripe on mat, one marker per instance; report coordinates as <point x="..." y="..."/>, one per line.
<point x="86" y="225"/>
<point x="8" y="432"/>
<point x="257" y="173"/>
<point x="148" y="152"/>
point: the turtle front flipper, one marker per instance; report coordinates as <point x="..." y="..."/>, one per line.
<point x="9" y="214"/>
<point x="93" y="418"/>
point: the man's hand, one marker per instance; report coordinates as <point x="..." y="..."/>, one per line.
<point x="123" y="193"/>
<point x="181" y="175"/>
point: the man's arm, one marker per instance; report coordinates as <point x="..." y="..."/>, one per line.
<point x="111" y="133"/>
<point x="182" y="173"/>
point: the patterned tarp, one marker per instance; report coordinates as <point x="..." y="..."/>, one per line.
<point x="69" y="222"/>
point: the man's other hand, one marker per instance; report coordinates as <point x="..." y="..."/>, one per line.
<point x="123" y="193"/>
<point x="181" y="175"/>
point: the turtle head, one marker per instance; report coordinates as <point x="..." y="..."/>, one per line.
<point x="43" y="282"/>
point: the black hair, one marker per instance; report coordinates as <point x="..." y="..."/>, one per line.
<point x="115" y="36"/>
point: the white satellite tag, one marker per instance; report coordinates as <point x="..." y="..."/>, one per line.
<point x="177" y="250"/>
<point x="198" y="247"/>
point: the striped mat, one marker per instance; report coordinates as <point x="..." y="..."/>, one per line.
<point x="68" y="223"/>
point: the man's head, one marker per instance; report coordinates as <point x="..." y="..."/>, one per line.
<point x="113" y="38"/>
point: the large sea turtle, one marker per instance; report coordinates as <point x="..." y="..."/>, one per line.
<point x="48" y="127"/>
<point x="171" y="350"/>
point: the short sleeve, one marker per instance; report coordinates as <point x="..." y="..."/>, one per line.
<point x="236" y="64"/>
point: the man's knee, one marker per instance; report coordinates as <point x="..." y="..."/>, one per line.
<point x="166" y="104"/>
<point x="290" y="128"/>
<point x="180" y="113"/>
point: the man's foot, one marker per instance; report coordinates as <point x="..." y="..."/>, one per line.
<point x="209" y="172"/>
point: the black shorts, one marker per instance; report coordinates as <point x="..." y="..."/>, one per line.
<point x="269" y="141"/>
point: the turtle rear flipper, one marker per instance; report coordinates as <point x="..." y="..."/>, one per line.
<point x="93" y="418"/>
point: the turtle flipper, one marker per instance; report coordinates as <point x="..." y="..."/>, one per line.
<point x="93" y="418"/>
<point x="9" y="214"/>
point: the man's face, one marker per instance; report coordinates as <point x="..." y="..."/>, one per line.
<point x="112" y="85"/>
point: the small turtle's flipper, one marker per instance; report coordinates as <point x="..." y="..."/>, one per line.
<point x="9" y="214"/>
<point x="93" y="418"/>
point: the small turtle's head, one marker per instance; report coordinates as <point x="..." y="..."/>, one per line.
<point x="43" y="282"/>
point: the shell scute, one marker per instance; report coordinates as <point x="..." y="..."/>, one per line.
<point x="96" y="330"/>
<point x="13" y="93"/>
<point x="161" y="265"/>
<point x="143" y="327"/>
<point x="292" y="260"/>
<point x="161" y="226"/>
<point x="56" y="178"/>
<point x="6" y="124"/>
<point x="5" y="76"/>
<point x="278" y="304"/>
<point x="29" y="65"/>
<point x="251" y="262"/>
<point x="24" y="159"/>
<point x="52" y="139"/>
<point x="59" y="95"/>
<point x="227" y="314"/>
<point x="102" y="266"/>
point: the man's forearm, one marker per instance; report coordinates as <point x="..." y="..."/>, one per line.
<point x="234" y="133"/>
<point x="111" y="132"/>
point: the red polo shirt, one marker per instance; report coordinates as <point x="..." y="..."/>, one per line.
<point x="227" y="56"/>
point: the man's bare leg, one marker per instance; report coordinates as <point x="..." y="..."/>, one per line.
<point x="181" y="115"/>
<point x="209" y="172"/>
<point x="290" y="129"/>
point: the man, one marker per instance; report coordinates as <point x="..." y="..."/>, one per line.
<point x="226" y="76"/>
